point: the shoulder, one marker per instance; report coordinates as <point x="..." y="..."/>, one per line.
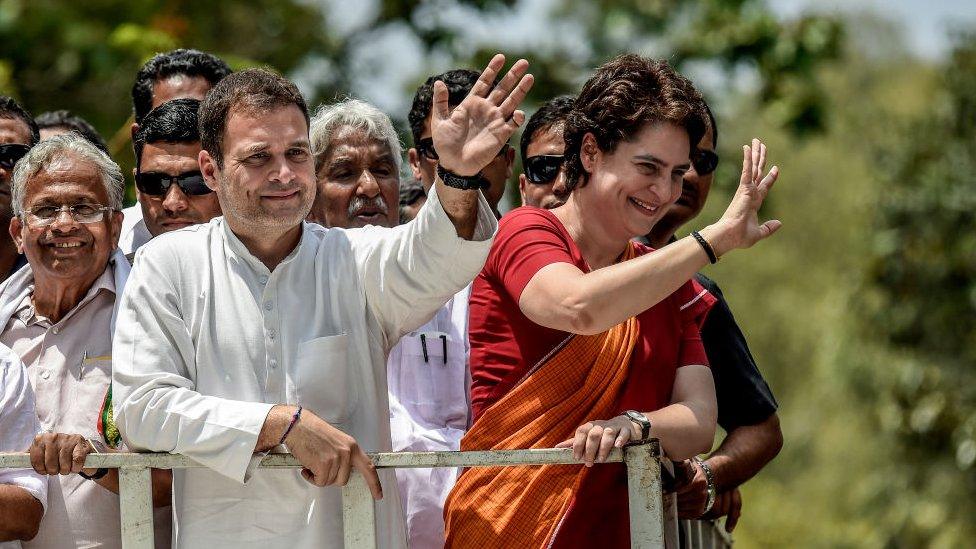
<point x="709" y="285"/>
<point x="172" y="249"/>
<point x="528" y="216"/>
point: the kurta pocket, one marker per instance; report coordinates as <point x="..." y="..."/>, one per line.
<point x="327" y="383"/>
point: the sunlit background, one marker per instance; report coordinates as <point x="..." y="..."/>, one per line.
<point x="861" y="312"/>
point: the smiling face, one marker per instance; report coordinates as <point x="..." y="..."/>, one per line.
<point x="630" y="189"/>
<point x="175" y="209"/>
<point x="267" y="183"/>
<point x="358" y="183"/>
<point x="67" y="250"/>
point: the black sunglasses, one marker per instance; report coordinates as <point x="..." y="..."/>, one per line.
<point x="704" y="162"/>
<point x="11" y="153"/>
<point x="158" y="184"/>
<point x="543" y="169"/>
<point x="426" y="147"/>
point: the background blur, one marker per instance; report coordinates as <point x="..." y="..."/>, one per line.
<point x="860" y="312"/>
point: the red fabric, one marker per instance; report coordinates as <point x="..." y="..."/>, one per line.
<point x="505" y="343"/>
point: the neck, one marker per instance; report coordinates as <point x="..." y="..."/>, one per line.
<point x="54" y="298"/>
<point x="270" y="246"/>
<point x="8" y="256"/>
<point x="599" y="248"/>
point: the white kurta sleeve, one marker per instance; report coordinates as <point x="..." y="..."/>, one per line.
<point x="157" y="407"/>
<point x="18" y="423"/>
<point x="412" y="270"/>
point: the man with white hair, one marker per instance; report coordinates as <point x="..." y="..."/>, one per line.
<point x="58" y="315"/>
<point x="357" y="161"/>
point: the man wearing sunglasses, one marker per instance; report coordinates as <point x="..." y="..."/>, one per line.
<point x="18" y="133"/>
<point x="746" y="406"/>
<point x="544" y="179"/>
<point x="423" y="156"/>
<point x="169" y="185"/>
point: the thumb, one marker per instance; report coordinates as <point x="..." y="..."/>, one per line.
<point x="768" y="228"/>
<point x="568" y="443"/>
<point x="439" y="108"/>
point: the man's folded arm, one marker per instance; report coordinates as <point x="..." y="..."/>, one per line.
<point x="157" y="407"/>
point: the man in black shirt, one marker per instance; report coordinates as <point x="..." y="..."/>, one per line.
<point x="746" y="407"/>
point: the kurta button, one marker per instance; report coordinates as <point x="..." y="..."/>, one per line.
<point x="274" y="364"/>
<point x="46" y="375"/>
<point x="272" y="333"/>
<point x="263" y="279"/>
<point x="268" y="305"/>
<point x="55" y="330"/>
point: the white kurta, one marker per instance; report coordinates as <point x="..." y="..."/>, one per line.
<point x="134" y="231"/>
<point x="429" y="384"/>
<point x="18" y="426"/>
<point x="209" y="339"/>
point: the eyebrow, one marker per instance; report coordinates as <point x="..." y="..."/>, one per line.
<point x="655" y="160"/>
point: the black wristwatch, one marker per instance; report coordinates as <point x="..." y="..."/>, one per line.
<point x="469" y="183"/>
<point x="640" y="419"/>
<point x="100" y="472"/>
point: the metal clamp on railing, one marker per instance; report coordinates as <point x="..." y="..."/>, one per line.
<point x="643" y="486"/>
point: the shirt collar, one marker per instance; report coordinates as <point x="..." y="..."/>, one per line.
<point x="26" y="313"/>
<point x="240" y="250"/>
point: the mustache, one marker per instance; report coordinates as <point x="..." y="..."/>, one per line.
<point x="358" y="204"/>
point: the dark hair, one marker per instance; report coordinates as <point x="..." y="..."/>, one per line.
<point x="163" y="65"/>
<point x="172" y="122"/>
<point x="65" y="119"/>
<point x="12" y="110"/>
<point x="713" y="125"/>
<point x="459" y="83"/>
<point x="549" y="114"/>
<point x="255" y="90"/>
<point x="624" y="95"/>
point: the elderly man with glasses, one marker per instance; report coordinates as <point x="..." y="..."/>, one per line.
<point x="171" y="191"/>
<point x="58" y="315"/>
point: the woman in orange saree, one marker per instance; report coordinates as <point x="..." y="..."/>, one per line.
<point x="573" y="325"/>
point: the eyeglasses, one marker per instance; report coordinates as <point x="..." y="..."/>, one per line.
<point x="42" y="216"/>
<point x="704" y="162"/>
<point x="426" y="147"/>
<point x="158" y="184"/>
<point x="543" y="169"/>
<point x="11" y="153"/>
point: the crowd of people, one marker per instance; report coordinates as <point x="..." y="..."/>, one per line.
<point x="278" y="288"/>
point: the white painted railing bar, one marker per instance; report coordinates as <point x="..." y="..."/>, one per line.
<point x="643" y="478"/>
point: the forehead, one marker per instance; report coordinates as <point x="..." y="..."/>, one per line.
<point x="66" y="176"/>
<point x="352" y="141"/>
<point x="547" y="140"/>
<point x="174" y="154"/>
<point x="178" y="86"/>
<point x="248" y="127"/>
<point x="14" y="130"/>
<point x="664" y="140"/>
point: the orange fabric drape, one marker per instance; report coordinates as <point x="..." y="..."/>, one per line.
<point x="495" y="507"/>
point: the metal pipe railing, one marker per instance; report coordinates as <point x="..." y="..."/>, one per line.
<point x="643" y="482"/>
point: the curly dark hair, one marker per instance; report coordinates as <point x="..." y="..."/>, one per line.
<point x="550" y="113"/>
<point x="73" y="122"/>
<point x="459" y="83"/>
<point x="12" y="110"/>
<point x="174" y="121"/>
<point x="620" y="99"/>
<point x="163" y="65"/>
<point x="255" y="90"/>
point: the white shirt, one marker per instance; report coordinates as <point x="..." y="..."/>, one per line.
<point x="209" y="340"/>
<point x="18" y="426"/>
<point x="134" y="231"/>
<point x="429" y="412"/>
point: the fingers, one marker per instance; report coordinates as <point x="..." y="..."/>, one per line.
<point x="768" y="228"/>
<point x="593" y="439"/>
<point x="345" y="468"/>
<point x="761" y="165"/>
<point x="514" y="121"/>
<point x="767" y="182"/>
<point x="66" y="452"/>
<point x="37" y="454"/>
<point x="515" y="98"/>
<point x="607" y="443"/>
<point x="579" y="440"/>
<point x="746" y="178"/>
<point x="440" y="109"/>
<point x="364" y="465"/>
<point x="78" y="455"/>
<point x="512" y="78"/>
<point x="486" y="81"/>
<point x="735" y="511"/>
<point x="568" y="443"/>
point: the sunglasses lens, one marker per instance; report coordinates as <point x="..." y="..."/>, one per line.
<point x="705" y="162"/>
<point x="543" y="169"/>
<point x="194" y="185"/>
<point x="151" y="183"/>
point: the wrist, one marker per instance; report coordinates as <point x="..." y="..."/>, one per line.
<point x="710" y="488"/>
<point x="718" y="237"/>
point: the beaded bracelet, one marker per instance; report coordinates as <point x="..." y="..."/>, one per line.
<point x="294" y="420"/>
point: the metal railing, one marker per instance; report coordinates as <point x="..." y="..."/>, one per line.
<point x="647" y="514"/>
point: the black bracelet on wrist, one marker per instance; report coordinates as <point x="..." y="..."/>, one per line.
<point x="291" y="425"/>
<point x="465" y="183"/>
<point x="706" y="246"/>
<point x="99" y="473"/>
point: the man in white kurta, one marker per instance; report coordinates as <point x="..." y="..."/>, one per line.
<point x="212" y="341"/>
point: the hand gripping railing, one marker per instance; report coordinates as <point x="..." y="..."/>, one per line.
<point x="135" y="491"/>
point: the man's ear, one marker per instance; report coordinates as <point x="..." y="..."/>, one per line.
<point x="208" y="167"/>
<point x="523" y="182"/>
<point x="16" y="229"/>
<point x="133" y="129"/>
<point x="413" y="158"/>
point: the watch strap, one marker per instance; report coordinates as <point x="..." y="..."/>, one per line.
<point x="710" y="480"/>
<point x="465" y="183"/>
<point x="641" y="420"/>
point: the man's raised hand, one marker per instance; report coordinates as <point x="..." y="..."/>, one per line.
<point x="470" y="136"/>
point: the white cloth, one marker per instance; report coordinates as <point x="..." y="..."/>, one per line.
<point x="429" y="412"/>
<point x="209" y="339"/>
<point x="134" y="230"/>
<point x="18" y="426"/>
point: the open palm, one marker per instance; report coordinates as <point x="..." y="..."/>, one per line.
<point x="470" y="136"/>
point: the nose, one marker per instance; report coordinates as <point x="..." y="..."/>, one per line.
<point x="559" y="185"/>
<point x="367" y="185"/>
<point x="285" y="173"/>
<point x="175" y="200"/>
<point x="63" y="221"/>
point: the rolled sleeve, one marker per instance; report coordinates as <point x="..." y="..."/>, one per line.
<point x="18" y="424"/>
